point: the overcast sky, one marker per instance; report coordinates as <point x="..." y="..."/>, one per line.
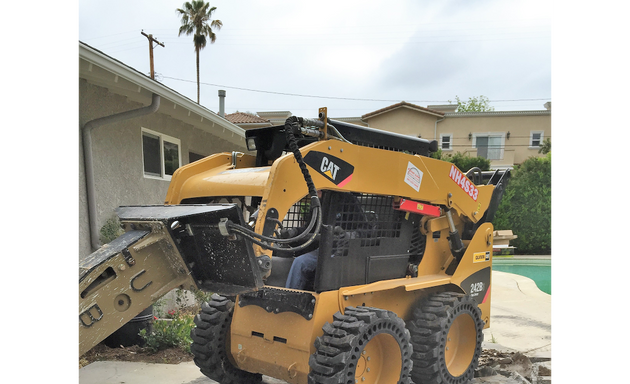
<point x="356" y="56"/>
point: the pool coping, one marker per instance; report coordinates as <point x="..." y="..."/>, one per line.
<point x="526" y="285"/>
<point x="531" y="257"/>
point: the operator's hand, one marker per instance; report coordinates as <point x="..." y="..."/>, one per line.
<point x="340" y="233"/>
<point x="287" y="233"/>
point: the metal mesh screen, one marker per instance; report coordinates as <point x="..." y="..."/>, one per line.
<point x="298" y="214"/>
<point x="369" y="218"/>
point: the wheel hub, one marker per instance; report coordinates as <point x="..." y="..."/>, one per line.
<point x="461" y="342"/>
<point x="378" y="360"/>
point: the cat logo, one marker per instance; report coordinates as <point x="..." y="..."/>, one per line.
<point x="333" y="168"/>
<point x="329" y="168"/>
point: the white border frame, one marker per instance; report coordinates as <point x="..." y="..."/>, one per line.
<point x="450" y="142"/>
<point x="163" y="138"/>
<point x="491" y="134"/>
<point x="531" y="139"/>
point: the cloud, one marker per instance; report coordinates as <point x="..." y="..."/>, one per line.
<point x="422" y="65"/>
<point x="467" y="67"/>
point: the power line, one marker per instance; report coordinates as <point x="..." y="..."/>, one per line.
<point x="295" y="94"/>
<point x="332" y="97"/>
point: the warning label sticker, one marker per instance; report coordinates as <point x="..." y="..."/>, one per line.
<point x="413" y="176"/>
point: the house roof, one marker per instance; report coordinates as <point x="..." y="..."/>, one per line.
<point x="245" y="118"/>
<point x="499" y="113"/>
<point x="100" y="69"/>
<point x="402" y="104"/>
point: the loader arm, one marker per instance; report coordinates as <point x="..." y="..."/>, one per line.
<point x="165" y="247"/>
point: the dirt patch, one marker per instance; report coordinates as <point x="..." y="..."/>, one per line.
<point x="134" y="353"/>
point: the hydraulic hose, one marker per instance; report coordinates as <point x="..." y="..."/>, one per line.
<point x="291" y="126"/>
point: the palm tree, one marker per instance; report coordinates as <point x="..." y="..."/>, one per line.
<point x="197" y="21"/>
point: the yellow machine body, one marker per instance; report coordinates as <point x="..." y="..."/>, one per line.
<point x="272" y="340"/>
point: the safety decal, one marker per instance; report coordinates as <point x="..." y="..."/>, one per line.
<point x="477" y="285"/>
<point x="460" y="179"/>
<point x="413" y="176"/>
<point x="333" y="168"/>
<point x="480" y="257"/>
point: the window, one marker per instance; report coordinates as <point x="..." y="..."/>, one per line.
<point x="489" y="145"/>
<point x="535" y="139"/>
<point x="192" y="157"/>
<point x="446" y="141"/>
<point x="160" y="154"/>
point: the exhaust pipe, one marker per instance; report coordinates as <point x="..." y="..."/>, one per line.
<point x="221" y="103"/>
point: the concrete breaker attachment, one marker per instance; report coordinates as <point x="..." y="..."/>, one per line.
<point x="164" y="247"/>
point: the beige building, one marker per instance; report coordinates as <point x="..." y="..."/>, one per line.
<point x="505" y="138"/>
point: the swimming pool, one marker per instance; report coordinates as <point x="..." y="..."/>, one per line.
<point x="537" y="269"/>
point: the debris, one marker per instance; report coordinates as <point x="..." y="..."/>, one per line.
<point x="518" y="378"/>
<point x="485" y="372"/>
<point x="512" y="368"/>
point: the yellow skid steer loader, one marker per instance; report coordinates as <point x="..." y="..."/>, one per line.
<point x="399" y="287"/>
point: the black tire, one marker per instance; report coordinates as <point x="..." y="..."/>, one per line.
<point x="369" y="344"/>
<point x="210" y="345"/>
<point x="446" y="334"/>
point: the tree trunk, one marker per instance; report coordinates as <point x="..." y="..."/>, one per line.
<point x="197" y="51"/>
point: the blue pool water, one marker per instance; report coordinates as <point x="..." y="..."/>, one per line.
<point x="538" y="270"/>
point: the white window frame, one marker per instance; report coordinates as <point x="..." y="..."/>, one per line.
<point x="163" y="138"/>
<point x="491" y="134"/>
<point x="531" y="139"/>
<point x="450" y="142"/>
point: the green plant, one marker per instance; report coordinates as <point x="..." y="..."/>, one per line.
<point x="173" y="330"/>
<point x="111" y="230"/>
<point x="526" y="206"/>
<point x="169" y="333"/>
<point x="158" y="307"/>
<point x="462" y="161"/>
<point x="201" y="296"/>
<point x="474" y="104"/>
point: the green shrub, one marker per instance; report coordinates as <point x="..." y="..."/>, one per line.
<point x="111" y="230"/>
<point x="174" y="330"/>
<point x="526" y="207"/>
<point x="169" y="333"/>
<point x="462" y="161"/>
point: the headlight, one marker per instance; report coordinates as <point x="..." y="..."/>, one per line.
<point x="251" y="144"/>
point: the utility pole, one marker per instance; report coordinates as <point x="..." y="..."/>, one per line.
<point x="151" y="41"/>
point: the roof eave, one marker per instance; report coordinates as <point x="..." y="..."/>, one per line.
<point x="119" y="69"/>
<point x="386" y="110"/>
<point x="498" y="113"/>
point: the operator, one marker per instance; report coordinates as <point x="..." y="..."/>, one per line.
<point x="349" y="215"/>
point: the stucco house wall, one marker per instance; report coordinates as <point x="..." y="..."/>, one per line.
<point x="405" y="121"/>
<point x="511" y="132"/>
<point x="108" y="87"/>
